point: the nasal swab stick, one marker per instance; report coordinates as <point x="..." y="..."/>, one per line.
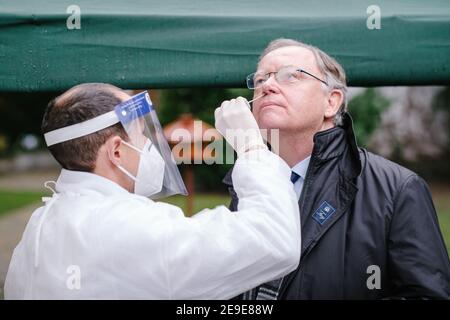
<point x="257" y="98"/>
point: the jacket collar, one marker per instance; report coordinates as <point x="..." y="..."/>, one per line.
<point x="87" y="183"/>
<point x="329" y="144"/>
<point x="338" y="141"/>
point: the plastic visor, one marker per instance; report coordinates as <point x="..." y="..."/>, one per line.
<point x="139" y="119"/>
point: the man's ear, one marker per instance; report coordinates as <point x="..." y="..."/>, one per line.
<point x="335" y="100"/>
<point x="113" y="149"/>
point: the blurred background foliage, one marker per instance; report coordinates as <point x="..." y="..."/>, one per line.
<point x="21" y="114"/>
<point x="366" y="109"/>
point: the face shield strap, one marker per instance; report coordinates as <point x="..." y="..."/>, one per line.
<point x="81" y="129"/>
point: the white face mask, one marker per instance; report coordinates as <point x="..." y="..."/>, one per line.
<point x="150" y="175"/>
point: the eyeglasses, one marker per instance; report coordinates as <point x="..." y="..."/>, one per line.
<point x="284" y="75"/>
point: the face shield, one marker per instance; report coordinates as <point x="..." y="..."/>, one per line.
<point x="158" y="175"/>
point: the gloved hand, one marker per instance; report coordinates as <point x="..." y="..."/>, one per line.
<point x="236" y="123"/>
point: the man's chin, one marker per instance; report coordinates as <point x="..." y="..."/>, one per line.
<point x="271" y="122"/>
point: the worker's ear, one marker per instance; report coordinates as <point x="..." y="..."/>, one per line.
<point x="334" y="101"/>
<point x="114" y="150"/>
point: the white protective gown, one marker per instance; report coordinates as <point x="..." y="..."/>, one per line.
<point x="95" y="240"/>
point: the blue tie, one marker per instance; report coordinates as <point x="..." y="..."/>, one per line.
<point x="294" y="177"/>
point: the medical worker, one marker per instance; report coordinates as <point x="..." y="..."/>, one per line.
<point x="102" y="236"/>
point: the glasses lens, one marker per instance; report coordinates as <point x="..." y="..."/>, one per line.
<point x="258" y="80"/>
<point x="288" y="74"/>
<point x="250" y="82"/>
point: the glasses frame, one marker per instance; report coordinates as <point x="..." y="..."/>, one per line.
<point x="250" y="77"/>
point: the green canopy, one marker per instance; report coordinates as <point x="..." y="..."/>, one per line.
<point x="137" y="44"/>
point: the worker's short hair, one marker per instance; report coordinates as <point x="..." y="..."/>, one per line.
<point x="333" y="71"/>
<point x="78" y="104"/>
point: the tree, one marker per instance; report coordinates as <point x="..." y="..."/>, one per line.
<point x="366" y="109"/>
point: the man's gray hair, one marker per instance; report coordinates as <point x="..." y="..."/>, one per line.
<point x="333" y="71"/>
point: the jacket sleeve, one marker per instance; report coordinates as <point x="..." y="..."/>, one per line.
<point x="418" y="263"/>
<point x="218" y="254"/>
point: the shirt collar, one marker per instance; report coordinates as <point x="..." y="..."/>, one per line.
<point x="87" y="183"/>
<point x="301" y="167"/>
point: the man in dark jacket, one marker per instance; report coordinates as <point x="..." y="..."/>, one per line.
<point x="369" y="227"/>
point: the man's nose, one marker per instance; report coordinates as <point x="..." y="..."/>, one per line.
<point x="270" y="85"/>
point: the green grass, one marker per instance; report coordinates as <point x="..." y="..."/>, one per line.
<point x="444" y="223"/>
<point x="201" y="201"/>
<point x="441" y="199"/>
<point x="11" y="200"/>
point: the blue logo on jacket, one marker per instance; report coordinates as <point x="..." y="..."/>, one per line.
<point x="324" y="212"/>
